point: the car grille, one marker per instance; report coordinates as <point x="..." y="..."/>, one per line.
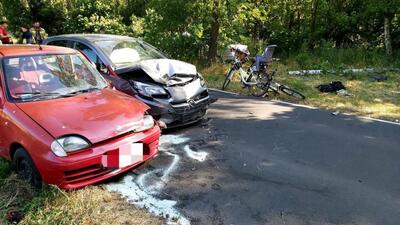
<point x="97" y="170"/>
<point x="86" y="173"/>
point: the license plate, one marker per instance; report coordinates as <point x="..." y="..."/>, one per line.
<point x="126" y="155"/>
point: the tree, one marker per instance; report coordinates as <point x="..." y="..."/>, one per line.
<point x="215" y="24"/>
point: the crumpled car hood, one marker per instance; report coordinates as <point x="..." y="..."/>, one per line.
<point x="159" y="68"/>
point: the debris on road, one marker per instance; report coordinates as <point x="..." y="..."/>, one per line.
<point x="216" y="187"/>
<point x="335" y="113"/>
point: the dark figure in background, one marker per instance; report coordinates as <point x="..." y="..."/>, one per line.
<point x="4" y="37"/>
<point x="26" y="36"/>
<point x="39" y="34"/>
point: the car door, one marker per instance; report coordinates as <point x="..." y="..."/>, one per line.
<point x="3" y="121"/>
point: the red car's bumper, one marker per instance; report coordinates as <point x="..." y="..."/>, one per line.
<point x="86" y="167"/>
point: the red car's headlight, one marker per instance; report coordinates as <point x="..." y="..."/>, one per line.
<point x="61" y="146"/>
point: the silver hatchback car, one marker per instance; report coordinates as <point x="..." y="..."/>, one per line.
<point x="175" y="91"/>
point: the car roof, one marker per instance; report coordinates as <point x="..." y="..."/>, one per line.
<point x="92" y="37"/>
<point x="19" y="50"/>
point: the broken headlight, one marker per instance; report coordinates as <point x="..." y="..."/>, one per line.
<point x="149" y="90"/>
<point x="148" y="122"/>
<point x="202" y="81"/>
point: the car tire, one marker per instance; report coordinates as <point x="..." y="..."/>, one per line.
<point x="25" y="168"/>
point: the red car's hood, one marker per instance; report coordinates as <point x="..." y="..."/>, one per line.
<point x="97" y="115"/>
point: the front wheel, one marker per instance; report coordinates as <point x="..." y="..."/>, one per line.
<point x="228" y="78"/>
<point x="25" y="167"/>
<point x="258" y="84"/>
<point x="291" y="92"/>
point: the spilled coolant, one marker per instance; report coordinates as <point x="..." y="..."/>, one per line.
<point x="144" y="190"/>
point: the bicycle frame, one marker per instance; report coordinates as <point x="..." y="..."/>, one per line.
<point x="243" y="75"/>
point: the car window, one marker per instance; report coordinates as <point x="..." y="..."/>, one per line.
<point x="87" y="51"/>
<point x="62" y="43"/>
<point x="38" y="77"/>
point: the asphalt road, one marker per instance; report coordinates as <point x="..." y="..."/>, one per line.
<point x="260" y="162"/>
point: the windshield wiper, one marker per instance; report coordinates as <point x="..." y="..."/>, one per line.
<point x="36" y="95"/>
<point x="84" y="90"/>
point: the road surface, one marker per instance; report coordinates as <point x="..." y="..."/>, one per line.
<point x="261" y="162"/>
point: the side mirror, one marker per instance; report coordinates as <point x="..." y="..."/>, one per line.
<point x="102" y="68"/>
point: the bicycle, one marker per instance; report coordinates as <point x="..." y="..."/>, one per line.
<point x="258" y="79"/>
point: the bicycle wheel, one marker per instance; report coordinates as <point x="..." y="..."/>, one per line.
<point x="228" y="78"/>
<point x="287" y="90"/>
<point x="259" y="84"/>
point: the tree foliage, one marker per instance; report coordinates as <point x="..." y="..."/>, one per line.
<point x="195" y="28"/>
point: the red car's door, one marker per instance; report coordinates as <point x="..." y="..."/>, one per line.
<point x="3" y="122"/>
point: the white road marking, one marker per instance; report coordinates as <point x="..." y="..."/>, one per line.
<point x="226" y="92"/>
<point x="294" y="104"/>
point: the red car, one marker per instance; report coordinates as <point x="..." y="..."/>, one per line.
<point x="61" y="124"/>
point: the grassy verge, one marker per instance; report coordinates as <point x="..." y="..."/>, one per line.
<point x="369" y="98"/>
<point x="91" y="205"/>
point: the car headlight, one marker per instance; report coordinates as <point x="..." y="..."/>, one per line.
<point x="62" y="146"/>
<point x="202" y="81"/>
<point x="148" y="122"/>
<point x="149" y="90"/>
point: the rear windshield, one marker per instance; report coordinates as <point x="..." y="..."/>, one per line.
<point x="41" y="77"/>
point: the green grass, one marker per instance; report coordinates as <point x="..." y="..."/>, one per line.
<point x="369" y="98"/>
<point x="5" y="169"/>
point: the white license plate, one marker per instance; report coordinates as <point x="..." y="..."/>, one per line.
<point x="130" y="154"/>
<point x="126" y="155"/>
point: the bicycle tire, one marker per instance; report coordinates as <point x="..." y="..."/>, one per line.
<point x="293" y="93"/>
<point x="259" y="89"/>
<point x="228" y="78"/>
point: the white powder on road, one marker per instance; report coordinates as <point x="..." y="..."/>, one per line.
<point x="172" y="139"/>
<point x="143" y="190"/>
<point x="137" y="196"/>
<point x="199" y="156"/>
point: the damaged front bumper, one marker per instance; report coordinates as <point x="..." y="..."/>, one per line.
<point x="175" y="114"/>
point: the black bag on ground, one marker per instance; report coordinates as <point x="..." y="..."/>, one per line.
<point x="334" y="86"/>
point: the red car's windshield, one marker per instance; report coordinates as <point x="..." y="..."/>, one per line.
<point x="39" y="77"/>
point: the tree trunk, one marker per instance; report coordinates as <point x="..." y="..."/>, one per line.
<point x="388" y="39"/>
<point x="212" y="53"/>
<point x="314" y="12"/>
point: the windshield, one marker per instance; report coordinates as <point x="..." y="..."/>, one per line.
<point x="39" y="77"/>
<point x="128" y="51"/>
